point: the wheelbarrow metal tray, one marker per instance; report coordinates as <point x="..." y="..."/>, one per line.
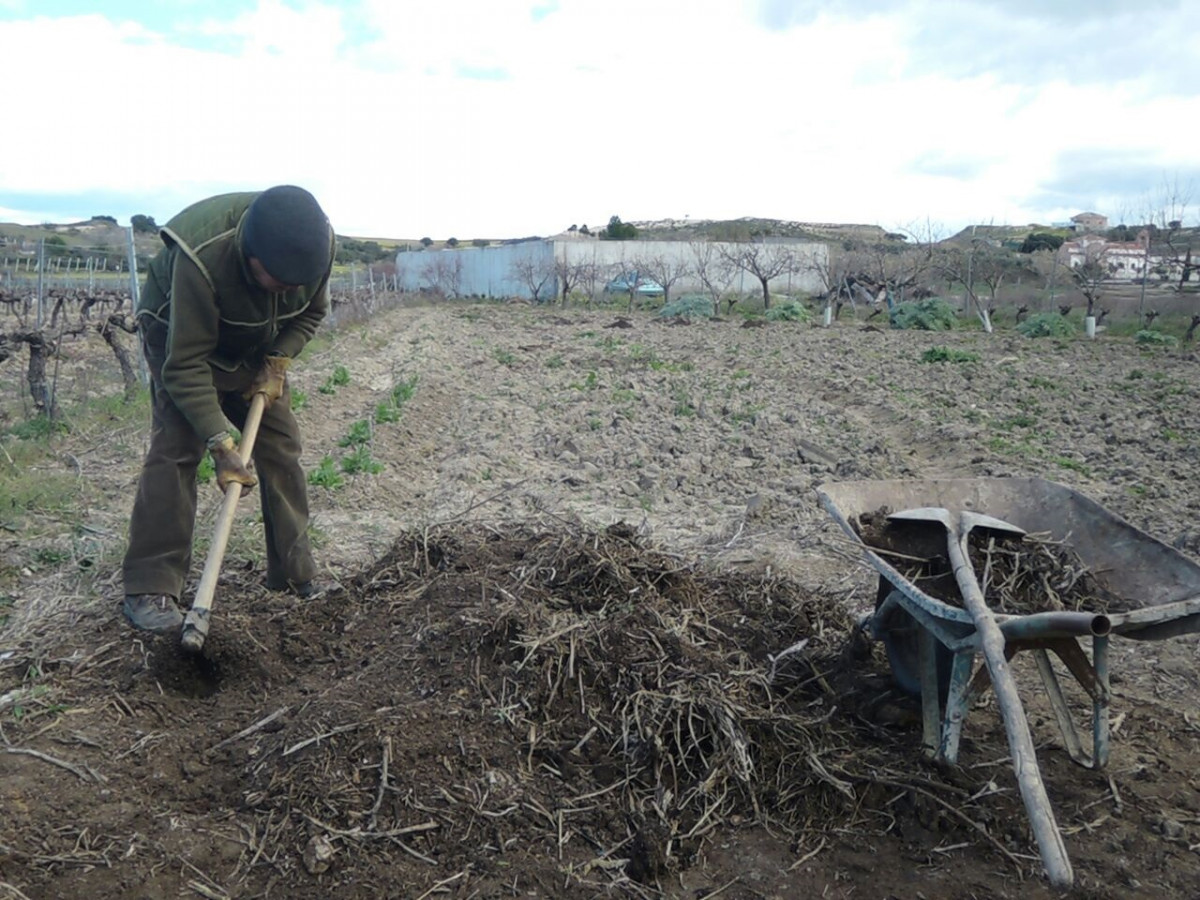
<point x="1160" y="586"/>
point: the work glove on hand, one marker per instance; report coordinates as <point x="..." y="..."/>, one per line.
<point x="269" y="379"/>
<point x="229" y="465"/>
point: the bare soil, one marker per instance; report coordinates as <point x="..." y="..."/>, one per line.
<point x="598" y="636"/>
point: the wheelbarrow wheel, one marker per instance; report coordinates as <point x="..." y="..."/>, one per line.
<point x="900" y="634"/>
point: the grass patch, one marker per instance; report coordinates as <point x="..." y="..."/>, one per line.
<point x="1073" y="465"/>
<point x="590" y="382"/>
<point x="948" y="354"/>
<point x="39" y="428"/>
<point x="1021" y="420"/>
<point x="1047" y="324"/>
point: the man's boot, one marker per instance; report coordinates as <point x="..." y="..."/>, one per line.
<point x="316" y="589"/>
<point x="156" y="613"/>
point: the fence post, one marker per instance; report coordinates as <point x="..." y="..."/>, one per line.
<point x="41" y="267"/>
<point x="143" y="372"/>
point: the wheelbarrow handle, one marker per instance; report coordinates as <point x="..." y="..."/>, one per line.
<point x="1029" y="777"/>
<point x="196" y="622"/>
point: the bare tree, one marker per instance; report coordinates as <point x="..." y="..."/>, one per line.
<point x="590" y="274"/>
<point x="981" y="262"/>
<point x="1092" y="272"/>
<point x="445" y="272"/>
<point x="897" y="266"/>
<point x="1166" y="213"/>
<point x="535" y="274"/>
<point x="666" y="269"/>
<point x="569" y="276"/>
<point x="713" y="270"/>
<point x="763" y="261"/>
<point x="837" y="271"/>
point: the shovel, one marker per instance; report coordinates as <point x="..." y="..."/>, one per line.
<point x="991" y="640"/>
<point x="196" y="622"/>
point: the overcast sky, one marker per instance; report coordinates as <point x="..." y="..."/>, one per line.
<point x="509" y="118"/>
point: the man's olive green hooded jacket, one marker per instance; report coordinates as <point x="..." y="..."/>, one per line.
<point x="202" y="309"/>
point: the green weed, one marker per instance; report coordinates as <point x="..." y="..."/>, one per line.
<point x="590" y="382"/>
<point x="326" y="474"/>
<point x="1150" y="337"/>
<point x="932" y="314"/>
<point x="340" y="377"/>
<point x="360" y="433"/>
<point x="385" y="413"/>
<point x="360" y="462"/>
<point x="789" y="311"/>
<point x="404" y="390"/>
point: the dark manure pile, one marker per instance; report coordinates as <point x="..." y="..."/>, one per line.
<point x="1019" y="574"/>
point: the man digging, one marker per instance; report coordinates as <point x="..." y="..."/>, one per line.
<point x="237" y="292"/>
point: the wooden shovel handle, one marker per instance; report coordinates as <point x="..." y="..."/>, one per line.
<point x="195" y="624"/>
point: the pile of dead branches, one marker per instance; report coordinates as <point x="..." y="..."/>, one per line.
<point x="1019" y="574"/>
<point x="613" y="705"/>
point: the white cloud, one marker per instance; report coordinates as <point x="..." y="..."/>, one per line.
<point x="500" y="118"/>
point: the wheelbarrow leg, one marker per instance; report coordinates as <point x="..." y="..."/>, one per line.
<point x="1101" y="701"/>
<point x="931" y="711"/>
<point x="958" y="702"/>
<point x="1093" y="678"/>
<point x="1062" y="712"/>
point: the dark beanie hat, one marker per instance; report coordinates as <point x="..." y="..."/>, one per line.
<point x="287" y="231"/>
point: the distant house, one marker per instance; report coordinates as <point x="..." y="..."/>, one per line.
<point x="1088" y="222"/>
<point x="1123" y="260"/>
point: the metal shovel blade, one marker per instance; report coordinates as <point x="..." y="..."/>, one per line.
<point x="967" y="521"/>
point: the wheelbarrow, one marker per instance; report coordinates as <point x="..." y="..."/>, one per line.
<point x="932" y="645"/>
